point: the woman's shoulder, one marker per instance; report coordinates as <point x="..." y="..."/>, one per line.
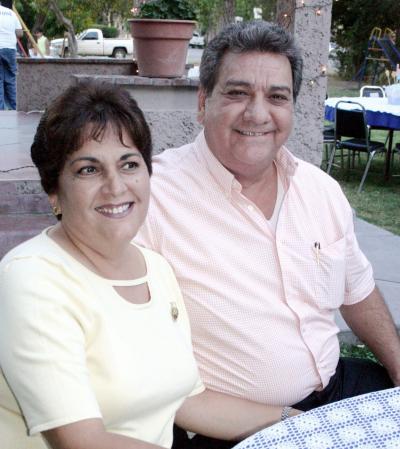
<point x="34" y="256"/>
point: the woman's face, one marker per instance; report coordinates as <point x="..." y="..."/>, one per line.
<point x="103" y="192"/>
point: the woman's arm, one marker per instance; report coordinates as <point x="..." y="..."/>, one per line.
<point x="226" y="417"/>
<point x="91" y="434"/>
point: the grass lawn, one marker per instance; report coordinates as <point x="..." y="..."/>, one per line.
<point x="356" y="351"/>
<point x="379" y="202"/>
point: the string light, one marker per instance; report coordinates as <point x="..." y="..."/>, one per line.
<point x="285" y="20"/>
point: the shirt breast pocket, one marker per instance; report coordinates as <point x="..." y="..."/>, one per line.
<point x="330" y="274"/>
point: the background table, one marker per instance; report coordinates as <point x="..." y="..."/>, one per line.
<point x="380" y="115"/>
<point x="370" y="421"/>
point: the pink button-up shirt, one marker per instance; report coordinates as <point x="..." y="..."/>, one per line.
<point x="261" y="303"/>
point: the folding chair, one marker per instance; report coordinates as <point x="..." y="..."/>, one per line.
<point x="372" y="91"/>
<point x="351" y="125"/>
<point x="329" y="141"/>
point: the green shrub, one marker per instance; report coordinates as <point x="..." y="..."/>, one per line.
<point x="108" y="32"/>
<point x="167" y="9"/>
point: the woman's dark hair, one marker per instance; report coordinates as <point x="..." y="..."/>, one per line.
<point x="83" y="112"/>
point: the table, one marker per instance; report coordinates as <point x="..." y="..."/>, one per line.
<point x="380" y="115"/>
<point x="370" y="421"/>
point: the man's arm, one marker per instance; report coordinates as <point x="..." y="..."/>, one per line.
<point x="372" y="323"/>
<point x="225" y="417"/>
<point x="19" y="33"/>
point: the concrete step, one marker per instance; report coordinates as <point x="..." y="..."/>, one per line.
<point x="15" y="229"/>
<point x="23" y="197"/>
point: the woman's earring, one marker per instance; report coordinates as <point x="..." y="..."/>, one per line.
<point x="56" y="211"/>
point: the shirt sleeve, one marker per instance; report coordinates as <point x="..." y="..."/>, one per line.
<point x="17" y="23"/>
<point x="42" y="344"/>
<point x="359" y="280"/>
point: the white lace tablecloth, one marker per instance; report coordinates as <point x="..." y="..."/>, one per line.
<point x="370" y="421"/>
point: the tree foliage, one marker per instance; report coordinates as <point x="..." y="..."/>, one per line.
<point x="81" y="13"/>
<point x="212" y="15"/>
<point x="352" y="23"/>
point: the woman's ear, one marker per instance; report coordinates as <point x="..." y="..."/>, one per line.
<point x="55" y="207"/>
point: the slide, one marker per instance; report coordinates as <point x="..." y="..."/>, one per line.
<point x="390" y="50"/>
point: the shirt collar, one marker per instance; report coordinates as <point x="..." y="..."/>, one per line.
<point x="285" y="161"/>
<point x="221" y="175"/>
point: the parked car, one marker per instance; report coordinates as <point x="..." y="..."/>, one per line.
<point x="91" y="42"/>
<point x="197" y="40"/>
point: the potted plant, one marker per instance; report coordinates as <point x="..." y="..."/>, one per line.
<point x="161" y="33"/>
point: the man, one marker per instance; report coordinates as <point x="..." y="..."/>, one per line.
<point x="42" y="43"/>
<point x="263" y="243"/>
<point x="10" y="27"/>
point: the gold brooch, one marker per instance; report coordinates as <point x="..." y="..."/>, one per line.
<point x="174" y="311"/>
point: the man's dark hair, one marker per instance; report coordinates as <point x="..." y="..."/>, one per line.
<point x="242" y="37"/>
<point x="83" y="112"/>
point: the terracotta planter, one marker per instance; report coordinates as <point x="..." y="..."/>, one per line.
<point x="161" y="46"/>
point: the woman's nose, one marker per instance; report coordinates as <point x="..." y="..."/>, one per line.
<point x="114" y="184"/>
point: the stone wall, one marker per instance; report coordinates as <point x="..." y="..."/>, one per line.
<point x="40" y="80"/>
<point x="310" y="22"/>
<point x="169" y="104"/>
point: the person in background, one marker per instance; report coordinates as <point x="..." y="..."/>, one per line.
<point x="10" y="28"/>
<point x="42" y="43"/>
<point x="95" y="347"/>
<point x="263" y="243"/>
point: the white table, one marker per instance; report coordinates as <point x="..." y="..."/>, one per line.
<point x="379" y="114"/>
<point x="370" y="421"/>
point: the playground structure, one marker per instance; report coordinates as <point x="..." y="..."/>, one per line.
<point x="383" y="54"/>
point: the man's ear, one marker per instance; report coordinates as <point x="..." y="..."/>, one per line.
<point x="201" y="104"/>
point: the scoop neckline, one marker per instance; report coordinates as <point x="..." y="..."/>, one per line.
<point x="111" y="282"/>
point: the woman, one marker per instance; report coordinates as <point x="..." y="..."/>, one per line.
<point x="94" y="338"/>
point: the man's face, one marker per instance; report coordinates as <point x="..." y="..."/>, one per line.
<point x="249" y="114"/>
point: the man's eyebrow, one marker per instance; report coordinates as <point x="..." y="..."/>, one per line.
<point x="281" y="87"/>
<point x="242" y="83"/>
<point x="237" y="83"/>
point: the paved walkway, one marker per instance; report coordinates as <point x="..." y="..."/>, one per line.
<point x="381" y="247"/>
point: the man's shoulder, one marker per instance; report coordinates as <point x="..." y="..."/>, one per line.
<point x="174" y="160"/>
<point x="310" y="173"/>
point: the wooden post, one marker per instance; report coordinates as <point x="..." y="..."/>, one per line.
<point x="25" y="28"/>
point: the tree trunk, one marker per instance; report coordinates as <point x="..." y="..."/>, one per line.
<point x="225" y="12"/>
<point x="72" y="43"/>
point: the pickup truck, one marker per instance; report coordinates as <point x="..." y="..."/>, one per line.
<point x="92" y="43"/>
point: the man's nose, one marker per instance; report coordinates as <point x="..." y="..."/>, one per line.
<point x="258" y="110"/>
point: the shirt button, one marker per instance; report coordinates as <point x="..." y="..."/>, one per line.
<point x="250" y="208"/>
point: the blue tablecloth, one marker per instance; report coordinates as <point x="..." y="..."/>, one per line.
<point x="370" y="421"/>
<point x="380" y="113"/>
